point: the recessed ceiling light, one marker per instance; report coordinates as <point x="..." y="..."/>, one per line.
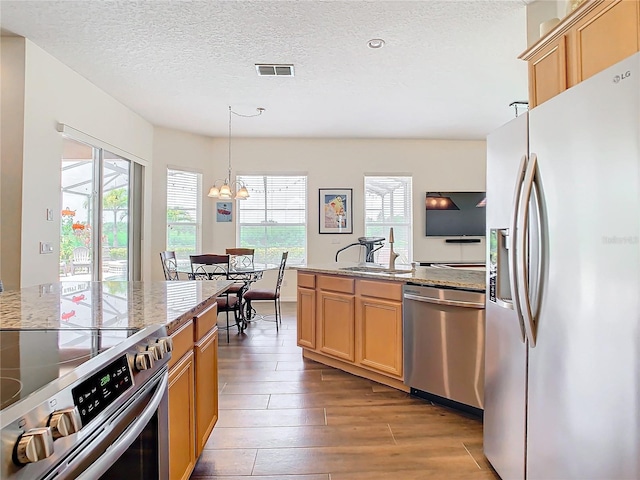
<point x="375" y="43"/>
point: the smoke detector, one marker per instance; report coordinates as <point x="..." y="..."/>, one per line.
<point x="274" y="70"/>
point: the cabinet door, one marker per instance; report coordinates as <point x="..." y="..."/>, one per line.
<point x="306" y="318"/>
<point x="182" y="454"/>
<point x="206" y="351"/>
<point x="380" y="335"/>
<point x="548" y="72"/>
<point x="337" y="317"/>
<point x="606" y="36"/>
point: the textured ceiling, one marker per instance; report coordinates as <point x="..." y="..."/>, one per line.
<point x="448" y="69"/>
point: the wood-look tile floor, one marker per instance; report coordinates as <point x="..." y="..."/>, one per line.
<point x="284" y="417"/>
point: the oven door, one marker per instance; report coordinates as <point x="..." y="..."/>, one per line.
<point x="132" y="443"/>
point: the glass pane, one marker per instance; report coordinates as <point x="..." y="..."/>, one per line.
<point x="388" y="204"/>
<point x="273" y="219"/>
<point x="77" y="211"/>
<point x="115" y="217"/>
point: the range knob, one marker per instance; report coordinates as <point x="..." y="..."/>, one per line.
<point x="156" y="349"/>
<point x="35" y="444"/>
<point x="65" y="422"/>
<point x="144" y="360"/>
<point x="167" y="342"/>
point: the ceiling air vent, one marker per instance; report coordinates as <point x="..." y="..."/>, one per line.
<point x="274" y="70"/>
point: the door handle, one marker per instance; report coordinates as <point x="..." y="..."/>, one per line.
<point x="521" y="247"/>
<point x="512" y="239"/>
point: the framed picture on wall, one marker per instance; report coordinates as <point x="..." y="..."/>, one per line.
<point x="223" y="211"/>
<point x="336" y="210"/>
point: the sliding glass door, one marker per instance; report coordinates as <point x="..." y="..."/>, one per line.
<point x="97" y="228"/>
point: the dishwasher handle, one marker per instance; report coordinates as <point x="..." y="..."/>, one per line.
<point x="441" y="301"/>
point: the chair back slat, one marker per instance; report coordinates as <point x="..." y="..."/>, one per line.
<point x="283" y="263"/>
<point x="169" y="265"/>
<point x="240" y="257"/>
<point x="209" y="265"/>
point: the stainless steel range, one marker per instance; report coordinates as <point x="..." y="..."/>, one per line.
<point x="84" y="403"/>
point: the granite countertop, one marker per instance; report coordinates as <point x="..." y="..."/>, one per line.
<point x="467" y="279"/>
<point x="107" y="305"/>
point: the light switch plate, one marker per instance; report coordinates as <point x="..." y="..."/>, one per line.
<point x="49" y="214"/>
<point x="46" y="247"/>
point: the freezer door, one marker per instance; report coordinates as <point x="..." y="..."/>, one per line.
<point x="584" y="371"/>
<point x="505" y="350"/>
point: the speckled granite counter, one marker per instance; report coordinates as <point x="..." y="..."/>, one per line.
<point x="111" y="305"/>
<point x="429" y="276"/>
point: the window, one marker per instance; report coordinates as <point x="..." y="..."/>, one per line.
<point x="184" y="193"/>
<point x="387" y="203"/>
<point x="274" y="218"/>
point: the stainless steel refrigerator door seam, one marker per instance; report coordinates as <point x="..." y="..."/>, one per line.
<point x="521" y="248"/>
<point x="513" y="260"/>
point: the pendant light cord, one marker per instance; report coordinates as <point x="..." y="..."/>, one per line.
<point x="260" y="110"/>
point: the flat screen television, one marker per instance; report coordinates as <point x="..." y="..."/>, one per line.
<point x="469" y="219"/>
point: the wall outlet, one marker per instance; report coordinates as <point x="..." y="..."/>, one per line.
<point x="46" y="247"/>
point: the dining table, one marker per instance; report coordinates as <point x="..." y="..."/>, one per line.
<point x="246" y="275"/>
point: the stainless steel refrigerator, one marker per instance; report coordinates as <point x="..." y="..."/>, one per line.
<point x="562" y="364"/>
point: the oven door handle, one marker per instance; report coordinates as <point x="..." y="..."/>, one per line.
<point x="115" y="451"/>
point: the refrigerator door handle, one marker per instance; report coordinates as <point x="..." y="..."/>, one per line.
<point x="512" y="238"/>
<point x="522" y="270"/>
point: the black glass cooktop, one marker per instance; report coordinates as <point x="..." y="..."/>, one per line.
<point x="30" y="359"/>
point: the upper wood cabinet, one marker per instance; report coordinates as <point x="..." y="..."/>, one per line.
<point x="597" y="35"/>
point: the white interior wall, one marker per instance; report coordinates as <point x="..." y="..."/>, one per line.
<point x="53" y="94"/>
<point x="11" y="149"/>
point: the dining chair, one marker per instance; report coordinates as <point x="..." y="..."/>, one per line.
<point x="268" y="294"/>
<point x="240" y="257"/>
<point x="169" y="265"/>
<point x="209" y="266"/>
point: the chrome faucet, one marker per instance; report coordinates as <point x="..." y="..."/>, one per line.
<point x="392" y="255"/>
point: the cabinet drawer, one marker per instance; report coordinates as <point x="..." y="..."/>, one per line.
<point x="206" y="321"/>
<point x="385" y="290"/>
<point x="336" y="284"/>
<point x="182" y="342"/>
<point x="306" y="280"/>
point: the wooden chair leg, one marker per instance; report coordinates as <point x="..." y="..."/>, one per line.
<point x="227" y="312"/>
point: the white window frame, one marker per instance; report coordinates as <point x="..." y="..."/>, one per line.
<point x="197" y="224"/>
<point x="398" y="202"/>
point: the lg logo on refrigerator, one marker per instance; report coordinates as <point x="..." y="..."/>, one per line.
<point x="619" y="78"/>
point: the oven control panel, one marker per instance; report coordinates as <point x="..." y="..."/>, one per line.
<point x="100" y="390"/>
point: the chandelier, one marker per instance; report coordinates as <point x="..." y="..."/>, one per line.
<point x="226" y="190"/>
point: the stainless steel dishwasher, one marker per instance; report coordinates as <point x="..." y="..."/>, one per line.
<point x="443" y="341"/>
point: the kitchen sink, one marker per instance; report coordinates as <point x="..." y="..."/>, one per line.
<point x="374" y="269"/>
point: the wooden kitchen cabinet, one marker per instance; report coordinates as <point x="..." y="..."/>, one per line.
<point x="354" y="324"/>
<point x="379" y="326"/>
<point x="306" y="306"/>
<point x="336" y="317"/>
<point x="193" y="391"/>
<point x="206" y="387"/>
<point x="548" y="72"/>
<point x="597" y="35"/>
<point x="182" y="455"/>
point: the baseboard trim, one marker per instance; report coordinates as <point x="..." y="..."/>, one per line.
<point x="355" y="370"/>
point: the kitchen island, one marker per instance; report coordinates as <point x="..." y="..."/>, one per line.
<point x="102" y="315"/>
<point x="350" y="315"/>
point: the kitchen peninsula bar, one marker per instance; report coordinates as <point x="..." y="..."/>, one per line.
<point x="110" y="312"/>
<point x="350" y="315"/>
